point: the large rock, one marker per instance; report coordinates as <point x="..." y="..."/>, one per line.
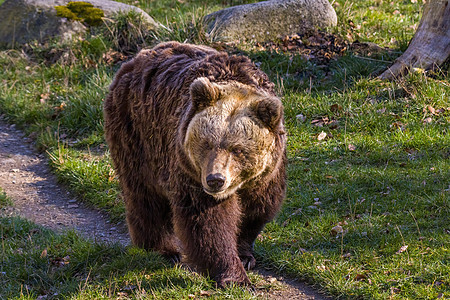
<point x="269" y="20"/>
<point x="22" y="21"/>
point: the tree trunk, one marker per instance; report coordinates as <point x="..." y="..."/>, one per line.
<point x="430" y="46"/>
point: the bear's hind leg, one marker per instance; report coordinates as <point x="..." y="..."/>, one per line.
<point x="149" y="219"/>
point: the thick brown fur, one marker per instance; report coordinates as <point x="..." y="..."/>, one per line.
<point x="197" y="139"/>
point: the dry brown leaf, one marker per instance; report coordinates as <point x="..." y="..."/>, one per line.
<point x="336" y="230"/>
<point x="427" y="120"/>
<point x="205" y="293"/>
<point x="431" y="109"/>
<point x="402" y="249"/>
<point x="333" y="124"/>
<point x="44" y="98"/>
<point x="360" y="277"/>
<point x="322" y="136"/>
<point x="44" y="253"/>
<point x="321" y="268"/>
<point x="397" y="125"/>
<point x="335" y="107"/>
<point x="61" y="261"/>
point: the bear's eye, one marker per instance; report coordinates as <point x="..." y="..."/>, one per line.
<point x="236" y="151"/>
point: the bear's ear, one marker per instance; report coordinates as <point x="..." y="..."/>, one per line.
<point x="203" y="93"/>
<point x="270" y="112"/>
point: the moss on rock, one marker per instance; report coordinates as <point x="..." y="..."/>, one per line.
<point x="81" y="11"/>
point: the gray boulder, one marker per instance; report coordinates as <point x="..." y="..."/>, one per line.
<point x="22" y="21"/>
<point x="269" y="20"/>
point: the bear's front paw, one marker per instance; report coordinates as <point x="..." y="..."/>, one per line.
<point x="173" y="256"/>
<point x="224" y="281"/>
<point x="248" y="261"/>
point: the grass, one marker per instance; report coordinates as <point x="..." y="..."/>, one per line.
<point x="366" y="213"/>
<point x="39" y="264"/>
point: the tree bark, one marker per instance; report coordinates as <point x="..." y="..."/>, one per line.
<point x="430" y="46"/>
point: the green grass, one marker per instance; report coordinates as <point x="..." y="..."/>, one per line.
<point x="4" y="200"/>
<point x="381" y="173"/>
<point x="37" y="263"/>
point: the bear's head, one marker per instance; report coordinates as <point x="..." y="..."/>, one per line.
<point x="232" y="136"/>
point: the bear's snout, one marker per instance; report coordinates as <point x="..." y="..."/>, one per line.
<point x="215" y="181"/>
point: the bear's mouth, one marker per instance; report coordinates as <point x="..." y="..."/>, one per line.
<point x="218" y="194"/>
<point x="222" y="193"/>
<point x="214" y="192"/>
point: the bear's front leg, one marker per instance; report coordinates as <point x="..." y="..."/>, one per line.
<point x="209" y="236"/>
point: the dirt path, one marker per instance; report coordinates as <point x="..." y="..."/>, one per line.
<point x="26" y="178"/>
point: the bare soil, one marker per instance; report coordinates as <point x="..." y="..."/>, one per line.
<point x="26" y="178"/>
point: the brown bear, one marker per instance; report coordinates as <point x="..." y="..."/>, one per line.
<point x="198" y="142"/>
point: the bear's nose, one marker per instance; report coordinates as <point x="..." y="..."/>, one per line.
<point x="215" y="181"/>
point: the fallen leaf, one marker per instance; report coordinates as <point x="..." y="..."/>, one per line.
<point x="333" y="124"/>
<point x="336" y="230"/>
<point x="60" y="108"/>
<point x="271" y="279"/>
<point x="431" y="109"/>
<point x="360" y="277"/>
<point x="205" y="293"/>
<point x="322" y="136"/>
<point x="335" y="107"/>
<point x="397" y="125"/>
<point x="44" y="98"/>
<point x="321" y="268"/>
<point x="300" y="118"/>
<point x="129" y="288"/>
<point x="122" y="295"/>
<point x="402" y="249"/>
<point x="44" y="253"/>
<point x="61" y="261"/>
<point x="317" y="122"/>
<point x="427" y="120"/>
